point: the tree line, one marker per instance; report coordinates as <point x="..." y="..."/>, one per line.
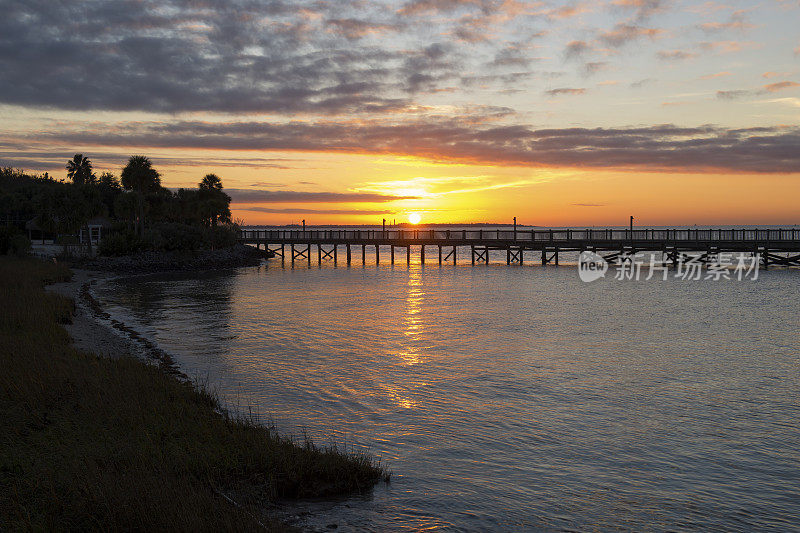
<point x="142" y="211"/>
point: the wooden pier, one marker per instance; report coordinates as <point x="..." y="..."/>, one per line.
<point x="772" y="246"/>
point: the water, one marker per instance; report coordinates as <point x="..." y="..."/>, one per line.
<point x="508" y="398"/>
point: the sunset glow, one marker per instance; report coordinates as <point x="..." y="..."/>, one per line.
<point x="414" y="218"/>
<point x="473" y="111"/>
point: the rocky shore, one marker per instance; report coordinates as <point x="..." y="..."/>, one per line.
<point x="158" y="261"/>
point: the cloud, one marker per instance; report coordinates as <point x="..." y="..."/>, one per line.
<point x="641" y="83"/>
<point x="732" y="95"/>
<point x="569" y="11"/>
<point x="769" y="88"/>
<point x="238" y="56"/>
<point x="726" y="47"/>
<point x="304" y="211"/>
<point x="775" y="87"/>
<point x="716" y="75"/>
<point x="792" y="102"/>
<point x="422" y="7"/>
<point x="561" y="91"/>
<point x="644" y="8"/>
<point x="736" y="22"/>
<point x="54" y="160"/>
<point x="512" y="55"/>
<point x="624" y="33"/>
<point x="593" y="67"/>
<point x="244" y="196"/>
<point x="589" y="205"/>
<point x="654" y="148"/>
<point x="675" y="55"/>
<point x="441" y="186"/>
<point x="576" y="49"/>
<point x="356" y="29"/>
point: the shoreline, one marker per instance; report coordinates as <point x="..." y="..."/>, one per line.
<point x="154" y="262"/>
<point x="94" y="330"/>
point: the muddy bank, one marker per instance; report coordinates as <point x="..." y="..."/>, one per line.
<point x="93" y="330"/>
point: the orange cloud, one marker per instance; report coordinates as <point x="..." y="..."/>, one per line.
<point x="775" y="87"/>
<point x="717" y="75"/>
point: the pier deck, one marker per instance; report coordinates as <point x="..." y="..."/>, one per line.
<point x="773" y="246"/>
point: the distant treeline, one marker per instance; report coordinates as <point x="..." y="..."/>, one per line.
<point x="143" y="214"/>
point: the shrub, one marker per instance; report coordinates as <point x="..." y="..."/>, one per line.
<point x="117" y="244"/>
<point x="19" y="245"/>
<point x="176" y="236"/>
<point x="12" y="241"/>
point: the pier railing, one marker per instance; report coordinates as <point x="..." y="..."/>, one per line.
<point x="412" y="235"/>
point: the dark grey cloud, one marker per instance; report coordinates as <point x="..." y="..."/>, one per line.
<point x="254" y="196"/>
<point x="55" y="160"/>
<point x="237" y="56"/>
<point x="513" y="55"/>
<point x="562" y="91"/>
<point x="733" y="94"/>
<point x="656" y="148"/>
<point x="641" y="83"/>
<point x="576" y="49"/>
<point x="303" y="211"/>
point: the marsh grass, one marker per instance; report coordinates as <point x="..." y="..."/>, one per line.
<point x="98" y="444"/>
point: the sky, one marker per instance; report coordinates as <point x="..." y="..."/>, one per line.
<point x="350" y="112"/>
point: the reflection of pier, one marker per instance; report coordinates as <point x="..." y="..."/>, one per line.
<point x="774" y="246"/>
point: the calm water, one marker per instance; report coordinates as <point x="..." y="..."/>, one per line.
<point x="509" y="398"/>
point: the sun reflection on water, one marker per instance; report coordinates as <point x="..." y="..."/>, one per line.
<point x="413" y="321"/>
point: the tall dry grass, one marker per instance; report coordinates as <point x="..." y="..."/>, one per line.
<point x="89" y="443"/>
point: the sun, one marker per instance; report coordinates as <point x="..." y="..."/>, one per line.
<point x="414" y="218"/>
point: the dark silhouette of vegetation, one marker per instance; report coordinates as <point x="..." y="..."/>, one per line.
<point x="140" y="177"/>
<point x="79" y="170"/>
<point x="213" y="202"/>
<point x="143" y="214"/>
<point x="12" y="241"/>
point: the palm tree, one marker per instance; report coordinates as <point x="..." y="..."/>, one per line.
<point x="210" y="182"/>
<point x="140" y="177"/>
<point x="79" y="170"/>
<point x="214" y="204"/>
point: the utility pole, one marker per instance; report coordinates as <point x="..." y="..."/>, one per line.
<point x="304" y="225"/>
<point x="515" y="228"/>
<point x="631" y="222"/>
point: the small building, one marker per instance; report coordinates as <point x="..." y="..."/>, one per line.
<point x="34" y="228"/>
<point x="94" y="230"/>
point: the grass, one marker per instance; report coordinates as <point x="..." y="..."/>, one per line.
<point x="89" y="443"/>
